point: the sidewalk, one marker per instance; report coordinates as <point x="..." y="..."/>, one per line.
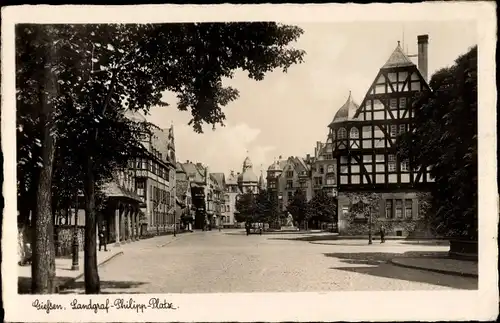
<point x="64" y="274"/>
<point x="440" y="265"/>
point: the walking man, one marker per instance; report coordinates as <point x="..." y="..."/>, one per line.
<point x="102" y="238"/>
<point x="382" y="234"/>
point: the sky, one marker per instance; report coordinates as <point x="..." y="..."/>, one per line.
<point x="286" y="113"/>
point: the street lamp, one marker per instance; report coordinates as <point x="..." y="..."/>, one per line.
<point x="175" y="223"/>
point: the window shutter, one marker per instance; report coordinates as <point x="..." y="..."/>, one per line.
<point x="414" y="208"/>
<point x="382" y="208"/>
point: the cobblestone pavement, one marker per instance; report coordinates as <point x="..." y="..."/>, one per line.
<point x="213" y="261"/>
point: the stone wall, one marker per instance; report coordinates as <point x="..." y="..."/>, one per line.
<point x="352" y="224"/>
<point x="64" y="239"/>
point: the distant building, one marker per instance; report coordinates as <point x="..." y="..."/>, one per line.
<point x="232" y="191"/>
<point x="219" y="190"/>
<point x="285" y="177"/>
<point x="323" y="168"/>
<point x="364" y="149"/>
<point x="200" y="191"/>
<point x="247" y="180"/>
<point x="185" y="208"/>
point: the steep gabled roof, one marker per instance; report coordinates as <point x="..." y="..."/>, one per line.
<point x="195" y="171"/>
<point x="398" y="59"/>
<point x="220" y="178"/>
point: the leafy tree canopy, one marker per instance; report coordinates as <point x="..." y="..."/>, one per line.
<point x="445" y="138"/>
<point x="298" y="206"/>
<point x="322" y="207"/>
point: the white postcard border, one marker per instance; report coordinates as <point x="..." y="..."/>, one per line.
<point x="346" y="306"/>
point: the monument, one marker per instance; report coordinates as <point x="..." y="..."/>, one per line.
<point x="289" y="224"/>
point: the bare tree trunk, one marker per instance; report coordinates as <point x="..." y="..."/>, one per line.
<point x="43" y="266"/>
<point x="92" y="283"/>
<point x="43" y="259"/>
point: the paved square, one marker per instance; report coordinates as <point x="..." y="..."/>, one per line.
<point x="230" y="261"/>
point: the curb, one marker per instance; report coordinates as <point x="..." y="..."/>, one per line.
<point x="439" y="271"/>
<point x="73" y="279"/>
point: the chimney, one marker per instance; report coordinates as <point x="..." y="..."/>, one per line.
<point x="187" y="161"/>
<point x="308" y="156"/>
<point x="423" y="44"/>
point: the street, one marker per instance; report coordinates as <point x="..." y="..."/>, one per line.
<point x="230" y="261"/>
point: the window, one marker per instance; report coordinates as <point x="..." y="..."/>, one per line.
<point x="151" y="192"/>
<point x="405" y="166"/>
<point x="392" y="163"/>
<point x="289" y="184"/>
<point x="394" y="130"/>
<point x="150" y="165"/>
<point x="290" y="195"/>
<point x="402" y="103"/>
<point x="342" y="133"/>
<point x="333" y="135"/>
<point x="402" y="128"/>
<point x="289" y="173"/>
<point x="354" y="133"/>
<point x="321" y="170"/>
<point x="140" y="188"/>
<point x="328" y="156"/>
<point x="330" y="169"/>
<point x="388" y="209"/>
<point x="393" y="103"/>
<point x="303" y="184"/>
<point x="399" y="209"/>
<point x="408" y="209"/>
<point x="318" y="181"/>
<point x="330" y="180"/>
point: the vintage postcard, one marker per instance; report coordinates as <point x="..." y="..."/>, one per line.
<point x="249" y="163"/>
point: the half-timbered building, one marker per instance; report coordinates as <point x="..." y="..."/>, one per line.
<point x="364" y="149"/>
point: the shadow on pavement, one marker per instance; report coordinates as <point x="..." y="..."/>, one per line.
<point x="24" y="284"/>
<point x="310" y="238"/>
<point x="377" y="264"/>
<point x="79" y="287"/>
<point x="426" y="243"/>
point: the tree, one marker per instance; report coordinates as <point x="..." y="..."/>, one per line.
<point x="322" y="207"/>
<point x="445" y="139"/>
<point x="298" y="206"/>
<point x="246" y="206"/>
<point x="96" y="72"/>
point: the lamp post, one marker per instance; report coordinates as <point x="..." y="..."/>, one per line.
<point x="370" y="225"/>
<point x="75" y="246"/>
<point x="175" y="223"/>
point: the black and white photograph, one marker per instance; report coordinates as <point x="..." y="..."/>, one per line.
<point x="257" y="165"/>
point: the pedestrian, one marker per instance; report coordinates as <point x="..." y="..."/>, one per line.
<point x="382" y="234"/>
<point x="102" y="238"/>
<point x="260" y="228"/>
<point x="247" y="228"/>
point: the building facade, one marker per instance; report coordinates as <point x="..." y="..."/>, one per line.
<point x="364" y="150"/>
<point x="323" y="169"/>
<point x="219" y="190"/>
<point x="185" y="209"/>
<point x="232" y="191"/>
<point x="155" y="176"/>
<point x="201" y="193"/>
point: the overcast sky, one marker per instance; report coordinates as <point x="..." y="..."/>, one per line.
<point x="285" y="114"/>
